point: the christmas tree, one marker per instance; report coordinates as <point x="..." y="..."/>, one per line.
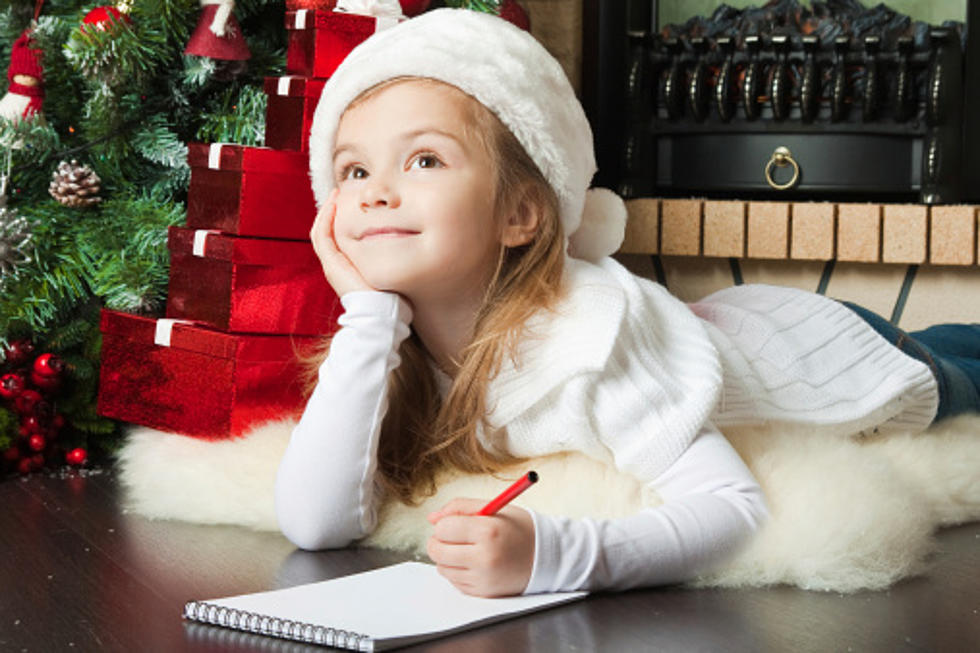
<point x="93" y="175"/>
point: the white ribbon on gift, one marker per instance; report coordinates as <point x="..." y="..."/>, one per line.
<point x="214" y="156"/>
<point x="299" y="19"/>
<point x="164" y="329"/>
<point x="284" y="84"/>
<point x="200" y="240"/>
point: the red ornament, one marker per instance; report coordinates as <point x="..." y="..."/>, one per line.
<point x="18" y="352"/>
<point x="76" y="456"/>
<point x="414" y="7"/>
<point x="48" y="365"/>
<point x="37" y="442"/>
<point x="514" y="13"/>
<point x="104" y="18"/>
<point x="11" y="385"/>
<point x="26" y="401"/>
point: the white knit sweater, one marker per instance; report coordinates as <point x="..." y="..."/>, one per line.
<point x="626" y="374"/>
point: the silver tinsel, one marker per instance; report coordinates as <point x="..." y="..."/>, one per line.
<point x="15" y="242"/>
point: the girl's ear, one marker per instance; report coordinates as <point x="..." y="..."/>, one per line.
<point x="522" y="224"/>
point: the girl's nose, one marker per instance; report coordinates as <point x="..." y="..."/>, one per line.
<point x="378" y="193"/>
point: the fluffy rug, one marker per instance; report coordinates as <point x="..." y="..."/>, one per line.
<point x="847" y="514"/>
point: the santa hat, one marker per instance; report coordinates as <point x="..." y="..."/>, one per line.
<point x="510" y="73"/>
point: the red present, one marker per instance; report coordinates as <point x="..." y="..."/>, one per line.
<point x="324" y="5"/>
<point x="319" y="40"/>
<point x="250" y="191"/>
<point x="289" y="112"/>
<point x="197" y="381"/>
<point x="249" y="285"/>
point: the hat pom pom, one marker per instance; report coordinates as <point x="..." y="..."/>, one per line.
<point x="603" y="226"/>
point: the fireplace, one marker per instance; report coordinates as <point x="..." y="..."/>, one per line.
<point x="828" y="100"/>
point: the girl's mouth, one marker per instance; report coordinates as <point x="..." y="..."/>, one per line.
<point x="387" y="232"/>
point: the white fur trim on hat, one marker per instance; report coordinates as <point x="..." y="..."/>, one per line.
<point x="497" y="63"/>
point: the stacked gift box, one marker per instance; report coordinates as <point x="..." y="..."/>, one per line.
<point x="247" y="299"/>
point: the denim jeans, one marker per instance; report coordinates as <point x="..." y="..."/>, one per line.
<point x="952" y="352"/>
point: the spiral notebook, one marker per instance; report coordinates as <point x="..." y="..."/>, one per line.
<point x="375" y="610"/>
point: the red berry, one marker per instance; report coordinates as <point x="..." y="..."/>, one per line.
<point x="31" y="424"/>
<point x="48" y="383"/>
<point x="25" y="465"/>
<point x="48" y="365"/>
<point x="11" y="385"/>
<point x="76" y="456"/>
<point x="58" y="422"/>
<point x="37" y="461"/>
<point x="18" y="352"/>
<point x="26" y="401"/>
<point x="37" y="442"/>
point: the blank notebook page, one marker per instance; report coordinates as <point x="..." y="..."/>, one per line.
<point x="403" y="602"/>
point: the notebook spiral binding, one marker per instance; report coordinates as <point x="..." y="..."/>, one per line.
<point x="266" y="625"/>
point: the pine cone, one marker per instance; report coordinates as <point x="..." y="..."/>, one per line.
<point x="75" y="185"/>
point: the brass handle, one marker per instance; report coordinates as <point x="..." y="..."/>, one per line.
<point x="781" y="157"/>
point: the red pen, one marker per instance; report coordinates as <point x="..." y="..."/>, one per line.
<point x="510" y="493"/>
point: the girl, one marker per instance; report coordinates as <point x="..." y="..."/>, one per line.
<point x="450" y="159"/>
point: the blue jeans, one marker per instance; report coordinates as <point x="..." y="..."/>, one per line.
<point x="952" y="352"/>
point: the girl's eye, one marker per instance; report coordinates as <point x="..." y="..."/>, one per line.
<point x="426" y="161"/>
<point x="353" y="172"/>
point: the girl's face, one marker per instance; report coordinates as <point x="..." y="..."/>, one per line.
<point x="415" y="207"/>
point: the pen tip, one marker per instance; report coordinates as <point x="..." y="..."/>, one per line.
<point x="532" y="476"/>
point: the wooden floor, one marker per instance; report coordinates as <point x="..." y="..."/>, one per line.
<point x="78" y="574"/>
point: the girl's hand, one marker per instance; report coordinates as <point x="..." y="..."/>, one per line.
<point x="483" y="555"/>
<point x="341" y="274"/>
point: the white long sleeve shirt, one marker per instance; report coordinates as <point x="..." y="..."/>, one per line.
<point x="625" y="374"/>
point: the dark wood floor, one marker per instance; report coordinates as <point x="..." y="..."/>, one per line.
<point x="78" y="574"/>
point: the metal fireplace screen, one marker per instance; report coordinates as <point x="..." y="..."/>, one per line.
<point x="796" y="101"/>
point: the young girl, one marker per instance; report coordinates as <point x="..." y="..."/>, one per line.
<point x="450" y="159"/>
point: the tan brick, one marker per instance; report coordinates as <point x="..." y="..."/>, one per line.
<point x="680" y="224"/>
<point x="952" y="234"/>
<point x="903" y="233"/>
<point x="812" y="233"/>
<point x="768" y="227"/>
<point x="859" y="232"/>
<point x="724" y="229"/>
<point x="642" y="227"/>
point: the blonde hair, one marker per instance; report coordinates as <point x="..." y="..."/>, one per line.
<point x="421" y="433"/>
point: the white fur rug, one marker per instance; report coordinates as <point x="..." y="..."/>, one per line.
<point x="847" y="514"/>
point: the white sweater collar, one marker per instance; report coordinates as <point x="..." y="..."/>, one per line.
<point x="555" y="348"/>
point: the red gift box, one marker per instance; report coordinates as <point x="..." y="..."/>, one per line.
<point x="249" y="285"/>
<point x="319" y="40"/>
<point x="325" y="5"/>
<point x="197" y="381"/>
<point x="250" y="191"/>
<point x="289" y="112"/>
